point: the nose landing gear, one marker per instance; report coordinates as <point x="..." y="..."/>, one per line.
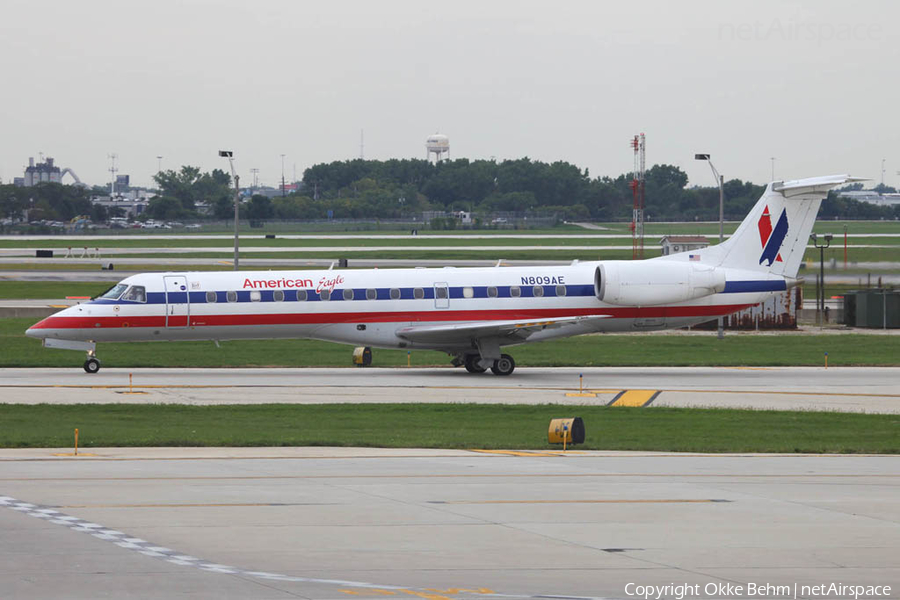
<point x="91" y="363"/>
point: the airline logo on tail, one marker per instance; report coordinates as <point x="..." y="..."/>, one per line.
<point x="771" y="239"/>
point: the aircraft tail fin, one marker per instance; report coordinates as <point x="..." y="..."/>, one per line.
<point x="773" y="236"/>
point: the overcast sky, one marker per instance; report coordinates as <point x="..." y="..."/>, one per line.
<point x="814" y="84"/>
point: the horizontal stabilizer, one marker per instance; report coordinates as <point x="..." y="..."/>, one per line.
<point x="811" y="185"/>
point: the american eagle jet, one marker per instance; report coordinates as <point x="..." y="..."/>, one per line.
<point x="472" y="314"/>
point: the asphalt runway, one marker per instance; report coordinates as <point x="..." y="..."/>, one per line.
<point x="348" y="523"/>
<point x="857" y="389"/>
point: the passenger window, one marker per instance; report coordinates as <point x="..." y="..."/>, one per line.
<point x="211" y="297"/>
<point x="418" y="293"/>
<point x="278" y="296"/>
<point x="468" y="292"/>
<point x="440" y="292"/>
<point x="135" y="293"/>
<point x="371" y="294"/>
<point x="325" y="295"/>
<point x="255" y="296"/>
<point x="395" y="294"/>
<point x="348" y="294"/>
<point x="560" y="290"/>
<point x="538" y="291"/>
<point x="492" y="291"/>
<point x="231" y="296"/>
<point x="301" y="295"/>
<point x="515" y="291"/>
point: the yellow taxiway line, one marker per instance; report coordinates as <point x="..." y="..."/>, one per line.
<point x="634" y="398"/>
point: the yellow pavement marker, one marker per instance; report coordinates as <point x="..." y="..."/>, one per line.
<point x="635" y="398"/>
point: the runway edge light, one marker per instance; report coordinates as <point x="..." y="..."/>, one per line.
<point x="566" y="431"/>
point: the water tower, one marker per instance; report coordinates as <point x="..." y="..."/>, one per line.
<point x="439" y="145"/>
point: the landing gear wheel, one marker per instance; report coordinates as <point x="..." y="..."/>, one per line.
<point x="91" y="365"/>
<point x="504" y="365"/>
<point x="472" y="364"/>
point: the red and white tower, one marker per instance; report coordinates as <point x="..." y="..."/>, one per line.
<point x="638" y="144"/>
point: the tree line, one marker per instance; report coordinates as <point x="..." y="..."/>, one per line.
<point x="402" y="188"/>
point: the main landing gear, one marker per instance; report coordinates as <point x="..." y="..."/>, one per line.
<point x="91" y="363"/>
<point x="504" y="365"/>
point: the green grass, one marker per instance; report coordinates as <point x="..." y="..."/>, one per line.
<point x="260" y="242"/>
<point x="16" y="350"/>
<point x="411" y="253"/>
<point x="54" y="290"/>
<point x="445" y="426"/>
<point x="143" y="267"/>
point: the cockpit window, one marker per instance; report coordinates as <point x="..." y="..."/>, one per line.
<point x="136" y="293"/>
<point x="114" y="292"/>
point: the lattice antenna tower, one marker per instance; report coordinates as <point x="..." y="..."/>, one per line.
<point x="638" y="144"/>
<point x="112" y="171"/>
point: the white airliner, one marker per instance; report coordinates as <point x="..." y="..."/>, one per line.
<point x="470" y="313"/>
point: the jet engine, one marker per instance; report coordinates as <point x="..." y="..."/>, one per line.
<point x="655" y="282"/>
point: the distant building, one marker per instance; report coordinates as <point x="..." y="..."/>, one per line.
<point x="132" y="203"/>
<point x="45" y="172"/>
<point x="673" y="244"/>
<point x="872" y="197"/>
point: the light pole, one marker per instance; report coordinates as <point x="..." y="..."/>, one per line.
<point x="820" y="282"/>
<point x="159" y="164"/>
<point x="237" y="199"/>
<point x="773" y="168"/>
<point x="282" y="175"/>
<point x="720" y="333"/>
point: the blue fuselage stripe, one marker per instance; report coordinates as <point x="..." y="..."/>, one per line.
<point x="739" y="287"/>
<point x="337" y="294"/>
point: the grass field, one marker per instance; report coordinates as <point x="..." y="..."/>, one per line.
<point x="52" y="290"/>
<point x="16" y="350"/>
<point x="890" y="254"/>
<point x="445" y="426"/>
<point x="255" y="241"/>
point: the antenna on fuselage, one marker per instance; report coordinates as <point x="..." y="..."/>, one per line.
<point x="499" y="263"/>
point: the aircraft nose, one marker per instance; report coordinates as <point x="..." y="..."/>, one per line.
<point x="38" y="330"/>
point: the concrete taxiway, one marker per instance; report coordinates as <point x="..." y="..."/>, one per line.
<point x="858" y="389"/>
<point x="346" y="523"/>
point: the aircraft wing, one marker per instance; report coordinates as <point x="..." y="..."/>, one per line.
<point x="456" y="332"/>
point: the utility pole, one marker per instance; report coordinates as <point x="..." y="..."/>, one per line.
<point x="720" y="180"/>
<point x="237" y="201"/>
<point x="282" y="175"/>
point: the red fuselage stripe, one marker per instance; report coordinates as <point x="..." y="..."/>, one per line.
<point x="435" y="316"/>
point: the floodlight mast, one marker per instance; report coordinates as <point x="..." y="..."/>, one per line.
<point x="237" y="199"/>
<point x="720" y="181"/>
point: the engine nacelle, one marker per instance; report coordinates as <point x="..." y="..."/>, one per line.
<point x="655" y="282"/>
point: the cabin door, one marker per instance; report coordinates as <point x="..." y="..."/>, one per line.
<point x="441" y="295"/>
<point x="178" y="309"/>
